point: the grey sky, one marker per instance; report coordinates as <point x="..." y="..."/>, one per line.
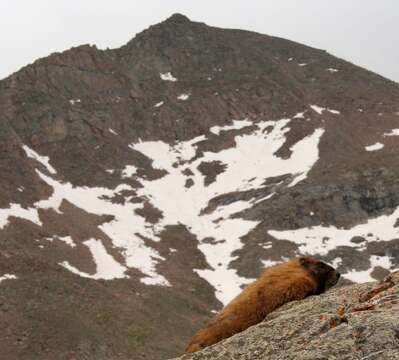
<point x="365" y="32"/>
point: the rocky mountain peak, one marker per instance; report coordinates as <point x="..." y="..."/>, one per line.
<point x="145" y="185"/>
<point x="178" y="19"/>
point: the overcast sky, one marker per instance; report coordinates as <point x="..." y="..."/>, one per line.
<point x="365" y="32"/>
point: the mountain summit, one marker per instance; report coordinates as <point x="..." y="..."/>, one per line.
<point x="143" y="186"/>
<point x="178" y="18"/>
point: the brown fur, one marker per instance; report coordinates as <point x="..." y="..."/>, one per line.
<point x="293" y="280"/>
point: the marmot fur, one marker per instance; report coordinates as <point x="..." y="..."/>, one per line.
<point x="292" y="280"/>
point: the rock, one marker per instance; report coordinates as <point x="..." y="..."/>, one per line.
<point x="350" y="322"/>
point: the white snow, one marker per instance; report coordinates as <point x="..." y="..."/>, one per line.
<point x="394" y="132"/>
<point x="44" y="160"/>
<point x="17" y="210"/>
<point x="270" y="263"/>
<point x="129" y="171"/>
<point x="67" y="240"/>
<point x="322" y="239"/>
<point x="112" y="131"/>
<point x="303" y="64"/>
<point x="320" y="110"/>
<point x="365" y="276"/>
<point x="300" y="115"/>
<point x="244" y="169"/>
<point x="167" y="76"/>
<point x="306" y="154"/>
<point x="74" y="101"/>
<point x="332" y="70"/>
<point x="107" y="267"/>
<point x="122" y="230"/>
<point x="267" y="245"/>
<point x="237" y="124"/>
<point x="8" y="277"/>
<point x="183" y="97"/>
<point x="336" y="262"/>
<point x="374" y="147"/>
<point x="159" y="104"/>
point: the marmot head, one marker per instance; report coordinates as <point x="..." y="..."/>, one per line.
<point x="325" y="275"/>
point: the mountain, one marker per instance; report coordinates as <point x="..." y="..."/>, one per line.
<point x="143" y="186"/>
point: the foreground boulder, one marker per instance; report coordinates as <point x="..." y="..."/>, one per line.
<point x="350" y="322"/>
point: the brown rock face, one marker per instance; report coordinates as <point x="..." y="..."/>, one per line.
<point x="142" y="186"/>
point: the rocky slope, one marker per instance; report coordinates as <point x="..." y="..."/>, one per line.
<point x="142" y="187"/>
<point x="351" y="322"/>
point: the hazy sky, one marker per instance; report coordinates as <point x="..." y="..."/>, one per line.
<point x="365" y="32"/>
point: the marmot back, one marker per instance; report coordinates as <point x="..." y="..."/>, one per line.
<point x="293" y="280"/>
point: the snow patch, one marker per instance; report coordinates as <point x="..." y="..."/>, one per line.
<point x="8" y="277"/>
<point x="336" y="262"/>
<point x="394" y="132"/>
<point x="122" y="230"/>
<point x="74" y="101"/>
<point x="237" y="124"/>
<point x="374" y="147"/>
<point x="129" y="171"/>
<point x="320" y="110"/>
<point x="112" y="131"/>
<point x="107" y="267"/>
<point x="67" y="240"/>
<point x="159" y="104"/>
<point x="332" y="70"/>
<point x="243" y="170"/>
<point x="365" y="276"/>
<point x="18" y="211"/>
<point x="300" y="115"/>
<point x="183" y="97"/>
<point x="44" y="160"/>
<point x="167" y="76"/>
<point x="320" y="240"/>
<point x="270" y="263"/>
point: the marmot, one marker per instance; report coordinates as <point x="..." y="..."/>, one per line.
<point x="292" y="280"/>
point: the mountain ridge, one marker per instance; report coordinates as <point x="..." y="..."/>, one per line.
<point x="147" y="184"/>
